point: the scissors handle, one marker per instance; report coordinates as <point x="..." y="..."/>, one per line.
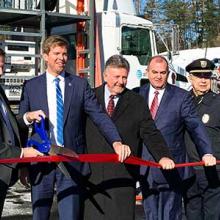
<point x="45" y="145"/>
<point x="40" y="129"/>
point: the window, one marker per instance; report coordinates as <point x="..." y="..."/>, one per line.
<point x="136" y="41"/>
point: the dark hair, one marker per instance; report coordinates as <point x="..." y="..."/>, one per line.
<point x="117" y="61"/>
<point x="2" y="52"/>
<point x="52" y="41"/>
<point x="159" y="59"/>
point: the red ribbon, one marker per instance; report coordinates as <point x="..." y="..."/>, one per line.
<point x="95" y="158"/>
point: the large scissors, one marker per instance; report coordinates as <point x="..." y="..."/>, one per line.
<point x="46" y="147"/>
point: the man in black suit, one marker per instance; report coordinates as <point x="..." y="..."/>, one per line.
<point x="9" y="143"/>
<point x="111" y="193"/>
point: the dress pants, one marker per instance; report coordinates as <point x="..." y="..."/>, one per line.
<point x="43" y="191"/>
<point x="203" y="197"/>
<point x="162" y="203"/>
<point x="3" y="192"/>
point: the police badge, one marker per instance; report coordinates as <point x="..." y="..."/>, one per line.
<point x="203" y="63"/>
<point x="205" y="118"/>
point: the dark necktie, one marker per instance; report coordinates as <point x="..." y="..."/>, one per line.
<point x="60" y="111"/>
<point x="111" y="105"/>
<point x="154" y="105"/>
<point x="5" y="116"/>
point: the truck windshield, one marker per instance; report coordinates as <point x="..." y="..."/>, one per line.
<point x="136" y="41"/>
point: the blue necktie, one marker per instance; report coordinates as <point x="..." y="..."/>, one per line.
<point x="5" y="116"/>
<point x="59" y="102"/>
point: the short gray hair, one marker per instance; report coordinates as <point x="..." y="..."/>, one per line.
<point x="117" y="61"/>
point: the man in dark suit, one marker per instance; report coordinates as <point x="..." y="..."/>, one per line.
<point x="204" y="194"/>
<point x="174" y="112"/>
<point x="9" y="143"/>
<point x="65" y="100"/>
<point x="112" y="186"/>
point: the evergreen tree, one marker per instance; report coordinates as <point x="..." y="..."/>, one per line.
<point x="198" y="20"/>
<point x="207" y="22"/>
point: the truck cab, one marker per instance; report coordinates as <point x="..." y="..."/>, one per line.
<point x="130" y="36"/>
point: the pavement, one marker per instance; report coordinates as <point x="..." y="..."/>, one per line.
<point x="18" y="205"/>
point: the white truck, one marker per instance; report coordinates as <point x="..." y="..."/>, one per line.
<point x="184" y="57"/>
<point x="123" y="32"/>
<point x="118" y="29"/>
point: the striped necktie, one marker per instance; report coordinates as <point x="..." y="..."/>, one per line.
<point x="154" y="105"/>
<point x="60" y="107"/>
<point x="111" y="105"/>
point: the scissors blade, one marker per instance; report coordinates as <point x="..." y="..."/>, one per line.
<point x="64" y="170"/>
<point x="57" y="150"/>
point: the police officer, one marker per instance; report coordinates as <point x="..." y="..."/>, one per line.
<point x="203" y="197"/>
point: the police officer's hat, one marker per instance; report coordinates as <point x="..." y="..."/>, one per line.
<point x="201" y="67"/>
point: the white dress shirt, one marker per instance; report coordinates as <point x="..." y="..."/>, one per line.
<point x="51" y="99"/>
<point x="107" y="95"/>
<point x="151" y="95"/>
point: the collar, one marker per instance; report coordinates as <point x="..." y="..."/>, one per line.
<point x="206" y="98"/>
<point x="152" y="90"/>
<point x="108" y="93"/>
<point x="51" y="78"/>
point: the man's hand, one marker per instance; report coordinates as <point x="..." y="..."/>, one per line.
<point x="35" y="116"/>
<point x="209" y="160"/>
<point x="31" y="152"/>
<point x="166" y="163"/>
<point x="122" y="150"/>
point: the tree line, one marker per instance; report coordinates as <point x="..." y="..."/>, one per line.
<point x="198" y="20"/>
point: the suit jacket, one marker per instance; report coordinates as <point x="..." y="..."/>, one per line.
<point x="7" y="149"/>
<point x="207" y="108"/>
<point x="79" y="101"/>
<point x="111" y="181"/>
<point x="135" y="125"/>
<point x="177" y="113"/>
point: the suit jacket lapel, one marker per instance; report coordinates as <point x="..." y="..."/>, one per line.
<point x="69" y="86"/>
<point x="122" y="104"/>
<point x="145" y="92"/>
<point x="43" y="93"/>
<point x="164" y="102"/>
<point x="14" y="124"/>
<point x="100" y="95"/>
<point x="11" y="117"/>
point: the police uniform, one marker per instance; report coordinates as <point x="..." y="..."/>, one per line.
<point x="203" y="197"/>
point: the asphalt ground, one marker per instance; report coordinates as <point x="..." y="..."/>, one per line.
<point x="18" y="205"/>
